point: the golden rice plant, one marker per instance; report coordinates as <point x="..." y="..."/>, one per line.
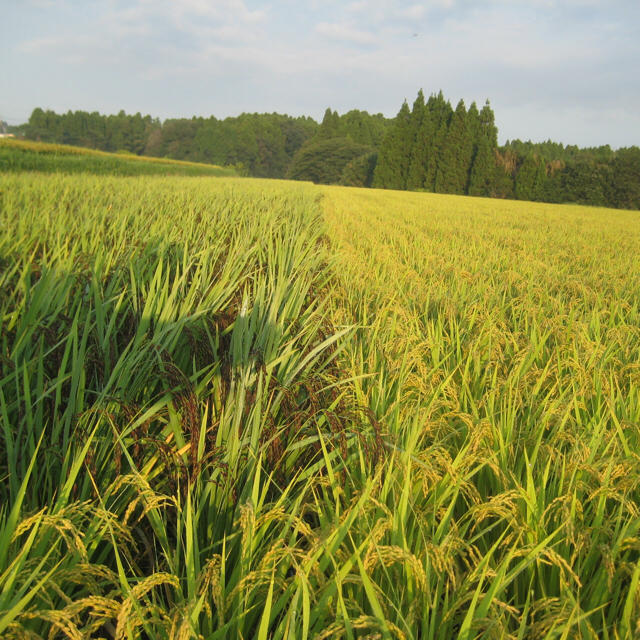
<point x="235" y="408"/>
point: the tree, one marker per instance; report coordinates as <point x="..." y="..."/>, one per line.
<point x="393" y="160"/>
<point x="527" y="178"/>
<point x="36" y="128"/>
<point x="359" y="171"/>
<point x="483" y="170"/>
<point x="488" y="125"/>
<point x="323" y="161"/>
<point x="330" y="127"/>
<point x="441" y="113"/>
<point x="625" y="187"/>
<point x="421" y="153"/>
<point x="484" y="133"/>
<point x="455" y="155"/>
<point x="421" y="134"/>
<point x="586" y="181"/>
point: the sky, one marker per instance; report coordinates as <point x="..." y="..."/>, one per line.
<point x="565" y="70"/>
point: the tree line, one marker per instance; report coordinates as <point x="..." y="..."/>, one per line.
<point x="433" y="147"/>
<point x="255" y="144"/>
<point x="428" y="147"/>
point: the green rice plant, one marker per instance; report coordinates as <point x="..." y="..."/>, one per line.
<point x="241" y="408"/>
<point x="168" y="369"/>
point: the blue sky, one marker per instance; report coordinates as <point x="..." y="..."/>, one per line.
<point x="566" y="70"/>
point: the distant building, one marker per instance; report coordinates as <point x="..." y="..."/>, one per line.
<point x="7" y="135"/>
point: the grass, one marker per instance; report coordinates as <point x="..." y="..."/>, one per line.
<point x="260" y="409"/>
<point x="22" y="155"/>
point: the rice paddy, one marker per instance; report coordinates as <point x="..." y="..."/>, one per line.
<point x="24" y="155"/>
<point x="237" y="408"/>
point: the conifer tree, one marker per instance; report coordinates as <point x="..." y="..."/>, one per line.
<point x="439" y="111"/>
<point x="420" y="152"/>
<point x="330" y="127"/>
<point x="393" y="160"/>
<point x="414" y="164"/>
<point x="454" y="160"/>
<point x="482" y="171"/>
<point x="531" y="178"/>
<point x="488" y="125"/>
<point x="475" y="132"/>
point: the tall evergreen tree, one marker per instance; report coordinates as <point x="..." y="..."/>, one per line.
<point x="483" y="169"/>
<point x="330" y="126"/>
<point x="421" y="134"/>
<point x="440" y="112"/>
<point x="393" y="159"/>
<point x="420" y="153"/>
<point x="488" y="125"/>
<point x="525" y="183"/>
<point x="454" y="161"/>
<point x="625" y="184"/>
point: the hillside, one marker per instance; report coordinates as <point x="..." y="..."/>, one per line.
<point x="20" y="155"/>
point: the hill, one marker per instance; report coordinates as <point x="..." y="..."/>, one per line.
<point x="22" y="155"/>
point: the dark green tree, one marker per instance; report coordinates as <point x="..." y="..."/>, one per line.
<point x="422" y="134"/>
<point x="359" y="171"/>
<point x="324" y="160"/>
<point x="455" y="155"/>
<point x="393" y="158"/>
<point x="625" y="181"/>
<point x="481" y="180"/>
<point x="330" y="126"/>
<point x="441" y="113"/>
<point x="485" y="142"/>
<point x="488" y="125"/>
<point x="527" y="178"/>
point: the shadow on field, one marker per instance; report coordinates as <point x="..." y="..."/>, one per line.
<point x="121" y="373"/>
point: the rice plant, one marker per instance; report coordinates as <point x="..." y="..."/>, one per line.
<point x="498" y="352"/>
<point x="256" y="409"/>
<point x="161" y="344"/>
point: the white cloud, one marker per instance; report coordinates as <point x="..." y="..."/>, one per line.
<point x="360" y="5"/>
<point x="345" y="32"/>
<point x="227" y="10"/>
<point x="414" y="12"/>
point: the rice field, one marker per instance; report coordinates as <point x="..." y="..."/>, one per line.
<point x="25" y="155"/>
<point x="500" y="355"/>
<point x="237" y="408"/>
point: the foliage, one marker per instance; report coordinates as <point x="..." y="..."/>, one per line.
<point x="263" y="143"/>
<point x="625" y="182"/>
<point x="323" y="160"/>
<point x="594" y="176"/>
<point x="108" y="133"/>
<point x="359" y="126"/>
<point x="359" y="171"/>
<point x="434" y="148"/>
<point x="429" y="147"/>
